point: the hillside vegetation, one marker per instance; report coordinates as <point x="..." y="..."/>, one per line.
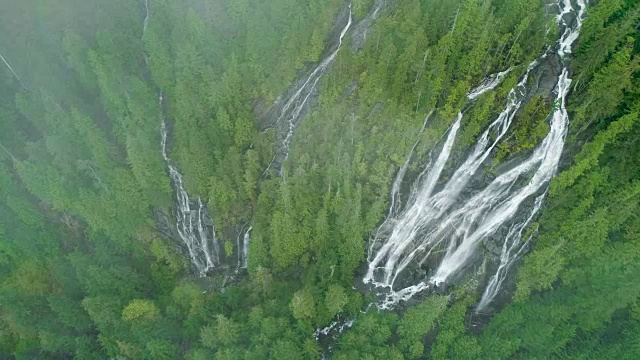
<point x="85" y="272"/>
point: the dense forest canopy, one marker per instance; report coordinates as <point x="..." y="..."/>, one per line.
<point x="93" y="266"/>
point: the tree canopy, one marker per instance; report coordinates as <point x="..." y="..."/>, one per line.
<point x="87" y="271"/>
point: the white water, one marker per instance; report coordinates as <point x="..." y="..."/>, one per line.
<point x="488" y="84"/>
<point x="12" y="71"/>
<point x="446" y="227"/>
<point x="243" y="248"/>
<point x="512" y="249"/>
<point x="425" y="208"/>
<point x="337" y="326"/>
<point x="292" y="111"/>
<point x="193" y="223"/>
<point x="146" y="17"/>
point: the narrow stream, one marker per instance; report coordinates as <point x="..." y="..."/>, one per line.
<point x="295" y="106"/>
<point x="12" y="71"/>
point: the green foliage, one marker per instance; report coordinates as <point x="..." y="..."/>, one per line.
<point x="221" y="334"/>
<point x="335" y="299"/>
<point x="142" y="310"/>
<point x="590" y="153"/>
<point x="529" y="129"/>
<point x="369" y="336"/>
<point x="417" y="322"/>
<point x="303" y="306"/>
<point x="606" y="90"/>
<point x="84" y="272"/>
<point x="452" y="340"/>
<point x="361" y="8"/>
<point x="81" y="148"/>
<point x="228" y="248"/>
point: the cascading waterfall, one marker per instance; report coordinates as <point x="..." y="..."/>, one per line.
<point x="193" y="223"/>
<point x="441" y="227"/>
<point x="243" y="248"/>
<point x="298" y="102"/>
<point x="513" y="247"/>
<point x="293" y="109"/>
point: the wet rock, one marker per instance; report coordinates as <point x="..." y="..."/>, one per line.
<point x="545" y="78"/>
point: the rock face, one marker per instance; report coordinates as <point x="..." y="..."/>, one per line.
<point x="165" y="226"/>
<point x="228" y="269"/>
<point x="545" y="77"/>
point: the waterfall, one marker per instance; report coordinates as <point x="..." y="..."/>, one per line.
<point x="145" y="23"/>
<point x="243" y="248"/>
<point x="513" y="246"/>
<point x="395" y="190"/>
<point x="296" y="105"/>
<point x="445" y="228"/>
<point x="293" y="110"/>
<point x="193" y="223"/>
<point x="194" y="226"/>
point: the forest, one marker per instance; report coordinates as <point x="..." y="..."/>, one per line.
<point x="289" y="126"/>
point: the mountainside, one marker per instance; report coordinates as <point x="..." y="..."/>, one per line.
<point x="286" y="179"/>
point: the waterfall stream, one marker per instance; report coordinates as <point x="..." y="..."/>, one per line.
<point x="295" y="106"/>
<point x="12" y="71"/>
<point x="193" y="223"/>
<point x="297" y="103"/>
<point x="446" y="228"/>
<point x="145" y="23"/>
<point x="243" y="248"/>
<point x="194" y="226"/>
